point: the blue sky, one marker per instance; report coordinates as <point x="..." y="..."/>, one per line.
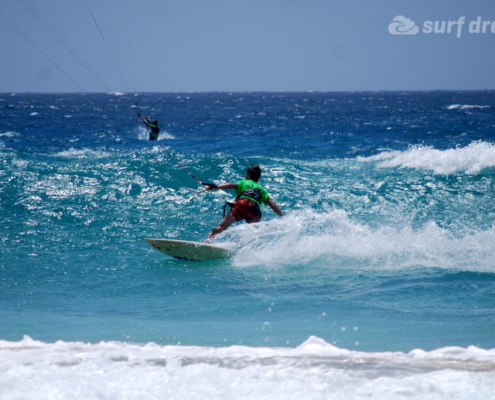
<point x="246" y="45"/>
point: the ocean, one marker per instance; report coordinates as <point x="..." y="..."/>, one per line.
<point x="378" y="283"/>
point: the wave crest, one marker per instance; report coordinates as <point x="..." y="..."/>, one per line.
<point x="471" y="159"/>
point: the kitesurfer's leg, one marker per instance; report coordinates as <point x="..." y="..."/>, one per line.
<point x="228" y="220"/>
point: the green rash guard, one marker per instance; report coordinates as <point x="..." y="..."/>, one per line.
<point x="248" y="189"/>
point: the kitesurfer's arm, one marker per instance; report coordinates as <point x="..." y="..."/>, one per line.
<point x="145" y="120"/>
<point x="275" y="207"/>
<point x="222" y="186"/>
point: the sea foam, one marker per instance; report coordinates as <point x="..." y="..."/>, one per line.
<point x="315" y="369"/>
<point x="82" y="153"/>
<point x="336" y="239"/>
<point x="471" y="159"/>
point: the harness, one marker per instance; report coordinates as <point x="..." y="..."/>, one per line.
<point x="252" y="194"/>
<point x="154" y="132"/>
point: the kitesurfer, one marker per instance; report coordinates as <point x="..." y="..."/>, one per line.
<point x="247" y="205"/>
<point x="153" y="125"/>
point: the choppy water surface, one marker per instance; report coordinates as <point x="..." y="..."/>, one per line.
<point x="378" y="282"/>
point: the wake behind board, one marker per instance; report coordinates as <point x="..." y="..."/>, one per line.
<point x="191" y="251"/>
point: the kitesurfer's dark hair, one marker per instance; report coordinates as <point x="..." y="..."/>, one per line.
<point x="253" y="173"/>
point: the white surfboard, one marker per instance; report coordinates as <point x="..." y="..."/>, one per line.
<point x="191" y="251"/>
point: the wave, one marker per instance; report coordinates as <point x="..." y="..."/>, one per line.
<point x="9" y="134"/>
<point x="314" y="369"/>
<point x="471" y="159"/>
<point x="335" y="240"/>
<point x="464" y="107"/>
<point x="82" y="153"/>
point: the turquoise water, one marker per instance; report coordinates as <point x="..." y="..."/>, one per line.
<point x="386" y="246"/>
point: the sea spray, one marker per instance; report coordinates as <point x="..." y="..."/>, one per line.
<point x="334" y="239"/>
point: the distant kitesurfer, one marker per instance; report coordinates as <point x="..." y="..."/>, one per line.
<point x="247" y="205"/>
<point x="153" y="125"/>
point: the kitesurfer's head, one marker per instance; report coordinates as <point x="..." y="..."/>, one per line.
<point x="253" y="173"/>
<point x="154" y="122"/>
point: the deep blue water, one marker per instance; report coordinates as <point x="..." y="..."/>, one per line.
<point x="387" y="243"/>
